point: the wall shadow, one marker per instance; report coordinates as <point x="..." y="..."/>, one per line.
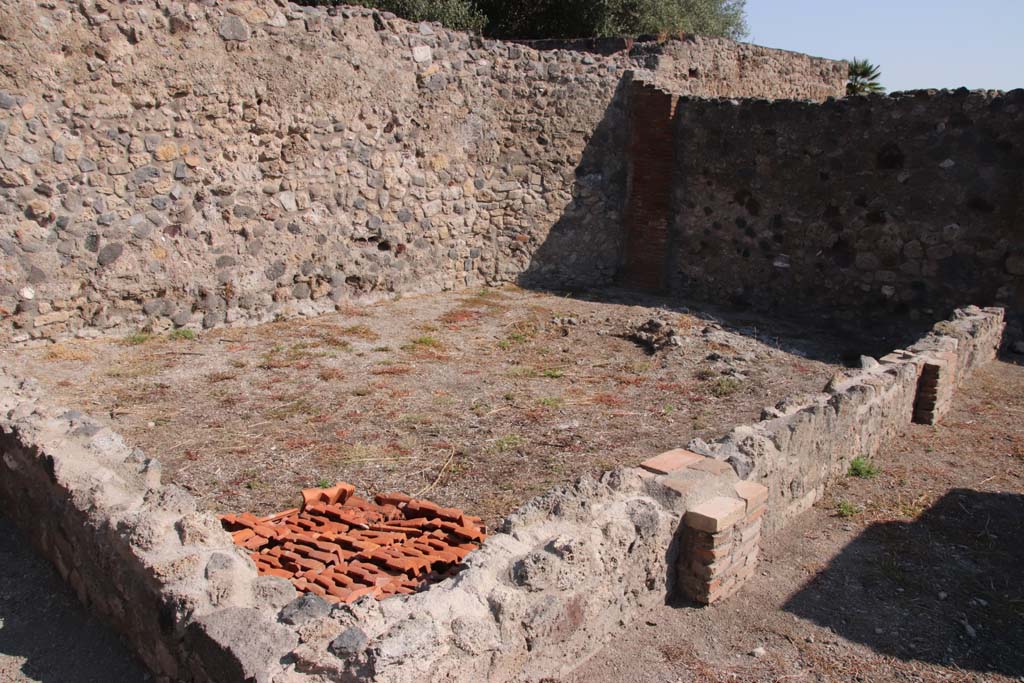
<point x="583" y="248"/>
<point x="583" y="255"/>
<point x="1008" y="355"/>
<point x="944" y="589"/>
<point x="44" y="626"/>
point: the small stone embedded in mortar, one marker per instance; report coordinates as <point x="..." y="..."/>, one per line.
<point x="343" y="547"/>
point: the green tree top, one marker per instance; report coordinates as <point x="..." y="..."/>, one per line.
<point x="571" y="18"/>
<point x="863" y="78"/>
<point x="461" y="15"/>
<point x="604" y="18"/>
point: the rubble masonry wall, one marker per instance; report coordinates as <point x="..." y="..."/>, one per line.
<point x="904" y="206"/>
<point x="802" y="445"/>
<point x="563" y="574"/>
<point x="167" y="164"/>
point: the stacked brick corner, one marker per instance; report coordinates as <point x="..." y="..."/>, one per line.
<point x="721" y="542"/>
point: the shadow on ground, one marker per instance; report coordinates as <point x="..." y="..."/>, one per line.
<point x="804" y="335"/>
<point x="945" y="589"/>
<point x="45" y="634"/>
<point x="1012" y="357"/>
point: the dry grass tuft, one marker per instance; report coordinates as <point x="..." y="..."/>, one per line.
<point x="221" y="376"/>
<point x="458" y="316"/>
<point x="392" y="370"/>
<point x="66" y="352"/>
<point x="330" y="374"/>
<point x="360" y="332"/>
<point x="611" y="400"/>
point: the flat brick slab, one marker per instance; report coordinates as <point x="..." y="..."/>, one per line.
<point x="753" y="493"/>
<point x="670" y="461"/>
<point x="718" y="514"/>
<point x="711" y="465"/>
<point x="683" y="487"/>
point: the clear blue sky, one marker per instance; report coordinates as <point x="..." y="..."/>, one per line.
<point x="918" y="43"/>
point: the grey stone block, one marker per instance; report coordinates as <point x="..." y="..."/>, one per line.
<point x="239" y="644"/>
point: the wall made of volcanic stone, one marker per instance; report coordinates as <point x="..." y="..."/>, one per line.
<point x="194" y="164"/>
<point x="561" y="576"/>
<point x="803" y="445"/>
<point x="905" y="205"/>
<point x="138" y="552"/>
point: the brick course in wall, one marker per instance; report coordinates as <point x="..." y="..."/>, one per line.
<point x="720" y="535"/>
<point x="935" y="387"/>
<point x="721" y="541"/>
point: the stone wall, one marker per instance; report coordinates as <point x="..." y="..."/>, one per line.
<point x="563" y="574"/>
<point x="200" y="163"/>
<point x="901" y="206"/>
<point x="137" y="552"/>
<point x="802" y="445"/>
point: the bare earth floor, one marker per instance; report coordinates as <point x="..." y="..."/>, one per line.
<point x="924" y="582"/>
<point x="921" y="581"/>
<point x="479" y="400"/>
<point x="46" y="636"/>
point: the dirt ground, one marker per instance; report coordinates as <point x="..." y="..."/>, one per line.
<point x="921" y="581"/>
<point x="46" y="636"/>
<point x="479" y="400"/>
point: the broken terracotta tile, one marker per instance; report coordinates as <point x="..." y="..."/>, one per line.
<point x="344" y="547"/>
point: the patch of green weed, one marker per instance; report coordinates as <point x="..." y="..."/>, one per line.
<point x="847" y="509"/>
<point x="508" y="442"/>
<point x="863" y="468"/>
<point x="725" y="386"/>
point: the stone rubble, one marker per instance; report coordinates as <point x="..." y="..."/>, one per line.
<point x="654" y="334"/>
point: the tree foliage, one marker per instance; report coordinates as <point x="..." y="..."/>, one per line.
<point x="602" y="18"/>
<point x="462" y="15"/>
<point x="572" y="18"/>
<point x="863" y="78"/>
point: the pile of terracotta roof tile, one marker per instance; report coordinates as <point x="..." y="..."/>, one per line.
<point x="341" y="547"/>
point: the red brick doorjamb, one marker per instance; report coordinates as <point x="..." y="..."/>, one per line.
<point x="649" y="188"/>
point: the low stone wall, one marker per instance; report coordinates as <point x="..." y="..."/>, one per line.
<point x="563" y="573"/>
<point x="137" y="552"/>
<point x="802" y="446"/>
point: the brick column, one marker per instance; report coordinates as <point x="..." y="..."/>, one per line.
<point x="935" y="387"/>
<point x="721" y="541"/>
<point x="648" y="204"/>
